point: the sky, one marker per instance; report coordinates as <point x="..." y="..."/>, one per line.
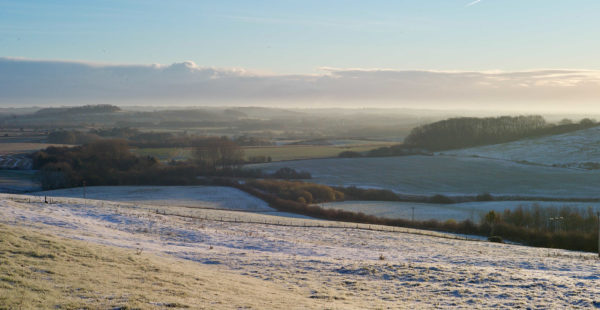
<point x="427" y="52"/>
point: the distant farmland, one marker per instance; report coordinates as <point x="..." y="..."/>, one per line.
<point x="429" y="175"/>
<point x="17" y="148"/>
<point x="277" y="153"/>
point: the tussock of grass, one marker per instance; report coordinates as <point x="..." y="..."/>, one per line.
<point x="42" y="271"/>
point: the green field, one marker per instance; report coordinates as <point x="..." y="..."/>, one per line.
<point x="277" y="153"/>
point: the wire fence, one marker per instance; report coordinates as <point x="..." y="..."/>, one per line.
<point x="234" y="216"/>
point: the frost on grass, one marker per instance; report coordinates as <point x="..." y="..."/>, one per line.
<point x="579" y="149"/>
<point x="333" y="266"/>
<point x="457" y="211"/>
<point x="449" y="175"/>
<point x="212" y="197"/>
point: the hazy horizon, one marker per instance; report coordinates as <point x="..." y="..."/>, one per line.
<point x="50" y="83"/>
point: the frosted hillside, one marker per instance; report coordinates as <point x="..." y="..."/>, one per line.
<point x="211" y="197"/>
<point x="570" y="149"/>
<point x="349" y="267"/>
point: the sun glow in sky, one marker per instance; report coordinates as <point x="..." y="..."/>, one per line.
<point x="304" y="38"/>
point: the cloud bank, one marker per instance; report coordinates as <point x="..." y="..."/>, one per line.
<point x="36" y="82"/>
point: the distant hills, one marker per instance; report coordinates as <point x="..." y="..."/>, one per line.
<point x="87" y="109"/>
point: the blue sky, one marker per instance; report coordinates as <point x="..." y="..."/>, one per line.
<point x="298" y="37"/>
<point x="488" y="54"/>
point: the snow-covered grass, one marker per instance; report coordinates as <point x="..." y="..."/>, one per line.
<point x="334" y="267"/>
<point x="212" y="197"/>
<point x="442" y="212"/>
<point x="16" y="161"/>
<point x="570" y="149"/>
<point x="449" y="175"/>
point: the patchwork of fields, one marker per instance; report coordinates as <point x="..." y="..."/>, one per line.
<point x="315" y="263"/>
<point x="7" y="148"/>
<point x="277" y="153"/>
<point x="17" y="161"/>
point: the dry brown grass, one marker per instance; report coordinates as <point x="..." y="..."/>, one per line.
<point x="42" y="271"/>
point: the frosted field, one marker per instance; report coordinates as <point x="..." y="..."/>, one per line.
<point x="442" y="212"/>
<point x="569" y="149"/>
<point x="19" y="161"/>
<point x="18" y="181"/>
<point x="211" y="197"/>
<point x="449" y="175"/>
<point x="336" y="268"/>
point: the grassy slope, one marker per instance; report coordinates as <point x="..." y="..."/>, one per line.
<point x="42" y="271"/>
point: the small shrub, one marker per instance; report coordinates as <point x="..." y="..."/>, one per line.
<point x="484" y="197"/>
<point x="441" y="199"/>
<point x="496" y="239"/>
<point x="289" y="174"/>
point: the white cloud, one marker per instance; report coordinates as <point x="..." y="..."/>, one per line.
<point x="473" y="3"/>
<point x="35" y="82"/>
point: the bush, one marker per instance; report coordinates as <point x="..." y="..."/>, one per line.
<point x="355" y="193"/>
<point x="441" y="199"/>
<point x="496" y="239"/>
<point x="258" y="159"/>
<point x="309" y="192"/>
<point x="289" y="174"/>
<point x="484" y="197"/>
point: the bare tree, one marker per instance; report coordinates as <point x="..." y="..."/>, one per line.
<point x="218" y="151"/>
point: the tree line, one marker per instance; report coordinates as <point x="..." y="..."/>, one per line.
<point x="111" y="162"/>
<point x="87" y="109"/>
<point x="465" y="132"/>
<point x="142" y="139"/>
<point x="471" y="131"/>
